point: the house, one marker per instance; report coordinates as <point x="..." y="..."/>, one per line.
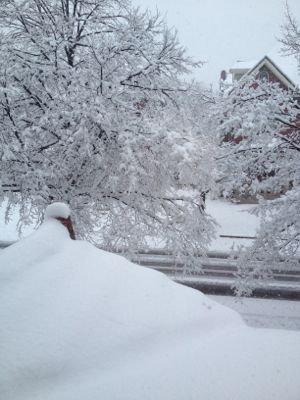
<point x="274" y="67"/>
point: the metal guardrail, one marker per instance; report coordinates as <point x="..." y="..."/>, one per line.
<point x="217" y="274"/>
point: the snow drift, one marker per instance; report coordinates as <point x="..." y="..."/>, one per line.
<point x="79" y="323"/>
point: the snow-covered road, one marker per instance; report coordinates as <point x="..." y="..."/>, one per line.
<point x="265" y="313"/>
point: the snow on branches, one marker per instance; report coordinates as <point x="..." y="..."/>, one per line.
<point x="90" y="115"/>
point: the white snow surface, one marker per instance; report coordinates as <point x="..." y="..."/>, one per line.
<point x="233" y="220"/>
<point x="264" y="313"/>
<point x="57" y="209"/>
<point x="80" y="323"/>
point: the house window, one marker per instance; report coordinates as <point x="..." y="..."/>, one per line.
<point x="263" y="75"/>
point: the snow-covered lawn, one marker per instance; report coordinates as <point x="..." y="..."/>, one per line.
<point x="79" y="323"/>
<point x="234" y="220"/>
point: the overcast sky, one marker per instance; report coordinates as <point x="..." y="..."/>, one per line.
<point x="223" y="31"/>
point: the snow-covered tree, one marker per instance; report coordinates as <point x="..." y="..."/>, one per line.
<point x="258" y="125"/>
<point x="93" y="113"/>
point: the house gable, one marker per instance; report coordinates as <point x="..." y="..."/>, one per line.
<point x="268" y="69"/>
<point x="274" y="67"/>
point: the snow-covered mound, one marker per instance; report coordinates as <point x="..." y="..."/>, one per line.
<point x="79" y="323"/>
<point x="57" y="209"/>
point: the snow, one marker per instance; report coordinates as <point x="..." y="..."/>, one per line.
<point x="9" y="230"/>
<point x="264" y="313"/>
<point x="80" y="323"/>
<point x="56" y="210"/>
<point x="233" y="220"/>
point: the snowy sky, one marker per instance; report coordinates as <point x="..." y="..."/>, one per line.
<point x="223" y="31"/>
